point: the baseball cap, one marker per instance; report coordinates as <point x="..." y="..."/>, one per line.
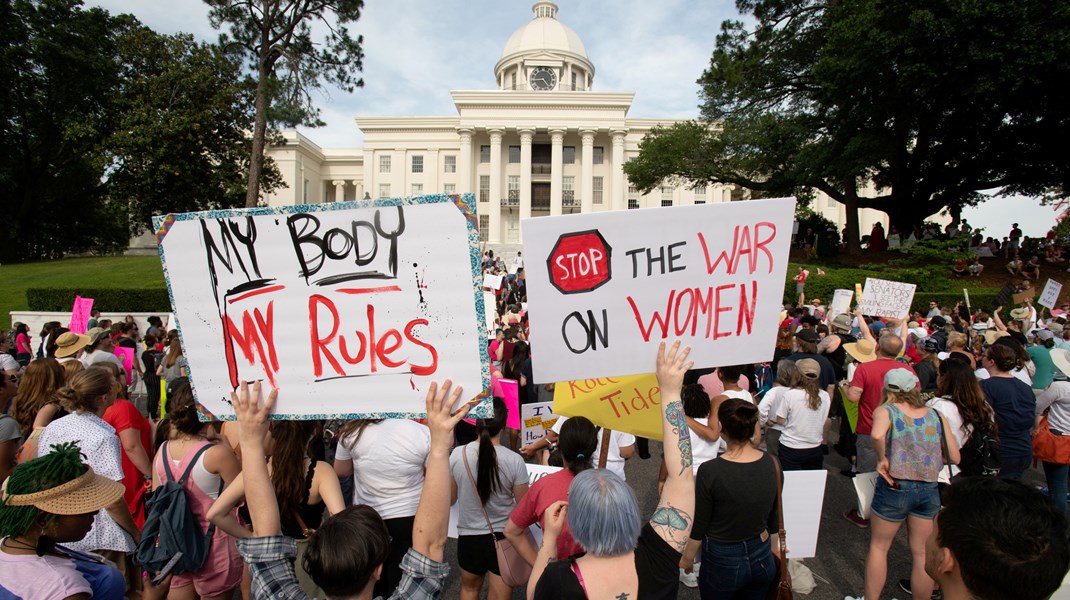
<point x="930" y="344"/>
<point x="808" y="335"/>
<point x="809" y="368"/>
<point x="900" y="380"/>
<point x="842" y="322"/>
<point x="96" y="334"/>
<point x="1044" y="335"/>
<point x="938" y="321"/>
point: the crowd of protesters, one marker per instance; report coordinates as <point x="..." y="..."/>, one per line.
<point x="942" y="406"/>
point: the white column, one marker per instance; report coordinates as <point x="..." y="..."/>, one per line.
<point x="620" y="196"/>
<point x="358" y="189"/>
<point x="525" y="176"/>
<point x="557" y="139"/>
<point x="587" y="171"/>
<point x="464" y="162"/>
<point x="494" y="226"/>
<point x="339" y="190"/>
<point x="432" y="172"/>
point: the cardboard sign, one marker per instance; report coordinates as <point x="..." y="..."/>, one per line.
<point x="841" y="303"/>
<point x="888" y="299"/>
<point x="1050" y="296"/>
<point x="511" y="396"/>
<point x="493" y="282"/>
<point x="351" y="309"/>
<point x="127" y="356"/>
<point x="607" y="287"/>
<point x="536" y="419"/>
<point x="804" y="494"/>
<point x="80" y="314"/>
<point x="1024" y="296"/>
<point x="630" y="404"/>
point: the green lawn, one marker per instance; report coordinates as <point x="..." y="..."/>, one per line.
<point x="100" y="272"/>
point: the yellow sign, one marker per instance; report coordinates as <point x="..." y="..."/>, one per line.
<point x="630" y="404"/>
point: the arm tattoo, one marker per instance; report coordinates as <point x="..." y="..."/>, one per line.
<point x="673" y="525"/>
<point x="674" y="412"/>
<point x="622" y="597"/>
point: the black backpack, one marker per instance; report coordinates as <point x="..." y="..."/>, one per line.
<point x="980" y="454"/>
<point x="171" y="526"/>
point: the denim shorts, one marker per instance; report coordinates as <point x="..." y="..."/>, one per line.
<point x="915" y="498"/>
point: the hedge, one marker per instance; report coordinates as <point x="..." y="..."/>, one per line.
<point x="104" y="300"/>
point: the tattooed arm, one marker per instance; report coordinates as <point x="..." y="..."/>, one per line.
<point x="673" y="518"/>
<point x="554" y="521"/>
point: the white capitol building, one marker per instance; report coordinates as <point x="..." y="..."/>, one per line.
<point x="544" y="142"/>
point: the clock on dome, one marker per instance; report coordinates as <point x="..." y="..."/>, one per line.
<point x="542" y="79"/>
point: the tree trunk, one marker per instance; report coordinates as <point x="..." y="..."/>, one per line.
<point x="256" y="159"/>
<point x="851" y="241"/>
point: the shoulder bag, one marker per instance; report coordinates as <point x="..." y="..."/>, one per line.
<point x="780" y="588"/>
<point x="1049" y="447"/>
<point x="514" y="570"/>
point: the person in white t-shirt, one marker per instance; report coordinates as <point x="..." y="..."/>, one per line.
<point x="621" y="448"/>
<point x="101" y="348"/>
<point x="767" y="408"/>
<point x="386" y="459"/>
<point x="804" y="412"/>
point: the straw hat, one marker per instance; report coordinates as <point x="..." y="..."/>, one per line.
<point x="87" y="493"/>
<point x="1020" y="313"/>
<point x="863" y="350"/>
<point x="994" y="334"/>
<point x="1061" y="358"/>
<point x="70" y="343"/>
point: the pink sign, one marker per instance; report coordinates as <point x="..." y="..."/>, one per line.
<point x="127" y="356"/>
<point x="80" y="314"/>
<point x="511" y="393"/>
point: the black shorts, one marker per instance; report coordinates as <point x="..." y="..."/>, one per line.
<point x="476" y="553"/>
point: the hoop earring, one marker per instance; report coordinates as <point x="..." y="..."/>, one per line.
<point x="44" y="545"/>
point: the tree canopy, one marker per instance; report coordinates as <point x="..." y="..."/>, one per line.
<point x="289" y="60"/>
<point x="926" y="103"/>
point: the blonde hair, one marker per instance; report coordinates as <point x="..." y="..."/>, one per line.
<point x="911" y="398"/>
<point x="956" y="340"/>
<point x="83" y="392"/>
<point x="38" y="387"/>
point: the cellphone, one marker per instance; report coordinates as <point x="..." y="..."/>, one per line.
<point x="167" y="568"/>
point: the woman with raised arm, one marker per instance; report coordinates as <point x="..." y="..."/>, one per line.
<point x="624" y="558"/>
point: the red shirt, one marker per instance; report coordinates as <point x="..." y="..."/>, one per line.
<point x="533" y="505"/>
<point x="869" y="377"/>
<point x="123" y="415"/>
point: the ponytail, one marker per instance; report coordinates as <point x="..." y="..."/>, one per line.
<point x="487" y="474"/>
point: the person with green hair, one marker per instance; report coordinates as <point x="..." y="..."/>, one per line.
<point x="47" y="502"/>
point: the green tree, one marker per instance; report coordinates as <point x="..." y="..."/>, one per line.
<point x="929" y="102"/>
<point x="289" y="60"/>
<point x="181" y="144"/>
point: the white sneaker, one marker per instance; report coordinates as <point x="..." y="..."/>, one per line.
<point x="689" y="579"/>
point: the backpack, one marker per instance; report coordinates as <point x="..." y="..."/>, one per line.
<point x="980" y="454"/>
<point x="171" y="526"/>
<point x="763" y="380"/>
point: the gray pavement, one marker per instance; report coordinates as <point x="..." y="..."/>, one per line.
<point x="841" y="547"/>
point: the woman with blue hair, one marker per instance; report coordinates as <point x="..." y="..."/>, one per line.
<point x="624" y="558"/>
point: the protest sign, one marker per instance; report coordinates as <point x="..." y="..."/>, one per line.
<point x="80" y="314"/>
<point x="490" y="314"/>
<point x="1024" y="296"/>
<point x="536" y="419"/>
<point x="888" y="299"/>
<point x="1050" y="296"/>
<point x="493" y="282"/>
<point x="351" y="309"/>
<point x="804" y="493"/>
<point x="511" y="396"/>
<point x="841" y="303"/>
<point x="127" y="356"/>
<point x="631" y="404"/>
<point x="607" y="287"/>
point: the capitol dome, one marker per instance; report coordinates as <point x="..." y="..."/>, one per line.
<point x="544" y="42"/>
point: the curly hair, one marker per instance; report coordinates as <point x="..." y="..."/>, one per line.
<point x="38" y="387"/>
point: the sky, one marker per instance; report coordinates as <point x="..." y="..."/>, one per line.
<point x="417" y="51"/>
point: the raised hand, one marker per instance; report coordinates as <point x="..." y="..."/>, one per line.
<point x="671" y="368"/>
<point x="253" y="416"/>
<point x="440" y="402"/>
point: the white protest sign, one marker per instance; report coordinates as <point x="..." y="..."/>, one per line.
<point x="490" y="313"/>
<point x="493" y="282"/>
<point x="535" y="473"/>
<point x="535" y="420"/>
<point x="888" y="299"/>
<point x="804" y="493"/>
<point x="1050" y="296"/>
<point x="841" y="303"/>
<point x="606" y="288"/>
<point x="351" y="309"/>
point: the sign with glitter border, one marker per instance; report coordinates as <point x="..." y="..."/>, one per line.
<point x="351" y="309"/>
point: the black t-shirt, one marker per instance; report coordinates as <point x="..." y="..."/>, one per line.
<point x="125" y="342"/>
<point x="656" y="564"/>
<point x="926" y="373"/>
<point x="735" y="501"/>
<point x="838" y="357"/>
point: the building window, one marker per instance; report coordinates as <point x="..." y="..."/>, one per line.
<point x="417" y="163"/>
<point x="513" y="84"/>
<point x="484" y="227"/>
<point x="596" y="190"/>
<point x="450" y="188"/>
<point x="450" y="163"/>
<point x="484" y="154"/>
<point x="633" y="193"/>
<point x="831" y="202"/>
<point x="599" y="154"/>
<point x="700" y="194"/>
<point x="568" y="191"/>
<point x="666" y="195"/>
<point x="574" y="88"/>
<point x="417" y="189"/>
<point x="484" y="188"/>
<point x="514" y="191"/>
<point x="633" y="203"/>
<point x="384" y="164"/>
<point x="384" y="190"/>
<point x="514" y="155"/>
<point x="569" y="155"/>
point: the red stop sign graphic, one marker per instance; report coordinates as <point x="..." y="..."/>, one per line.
<point x="579" y="262"/>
